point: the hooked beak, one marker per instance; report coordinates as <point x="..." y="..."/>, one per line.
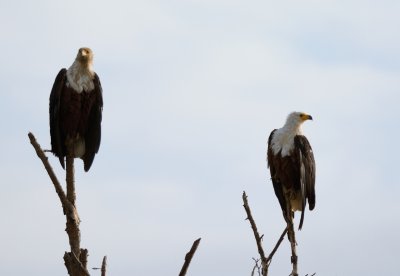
<point x="305" y="117"/>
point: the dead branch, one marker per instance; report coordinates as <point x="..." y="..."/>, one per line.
<point x="74" y="266"/>
<point x="269" y="259"/>
<point x="189" y="256"/>
<point x="83" y="257"/>
<point x="104" y="266"/>
<point x="69" y="209"/>
<point x="70" y="175"/>
<point x="256" y="266"/>
<point x="292" y="238"/>
<point x="264" y="263"/>
<point x="72" y="226"/>
<point x="76" y="260"/>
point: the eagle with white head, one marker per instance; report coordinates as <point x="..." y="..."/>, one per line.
<point x="292" y="166"/>
<point x="76" y="106"/>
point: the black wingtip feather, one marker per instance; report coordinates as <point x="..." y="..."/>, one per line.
<point x="61" y="158"/>
<point x="301" y="220"/>
<point x="88" y="161"/>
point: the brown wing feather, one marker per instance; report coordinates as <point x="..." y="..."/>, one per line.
<point x="274" y="168"/>
<point x="306" y="163"/>
<point x="295" y="173"/>
<point x="93" y="124"/>
<point x="57" y="141"/>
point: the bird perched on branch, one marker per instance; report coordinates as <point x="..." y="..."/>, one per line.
<point x="76" y="105"/>
<point x="292" y="166"/>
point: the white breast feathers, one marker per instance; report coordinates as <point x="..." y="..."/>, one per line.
<point x="80" y="79"/>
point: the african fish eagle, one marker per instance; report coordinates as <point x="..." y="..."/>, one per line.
<point x="76" y="105"/>
<point x="292" y="166"/>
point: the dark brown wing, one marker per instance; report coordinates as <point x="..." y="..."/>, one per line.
<point x="276" y="181"/>
<point x="306" y="163"/>
<point x="93" y="132"/>
<point x="57" y="141"/>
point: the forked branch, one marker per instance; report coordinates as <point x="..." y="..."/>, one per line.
<point x="76" y="260"/>
<point x="265" y="261"/>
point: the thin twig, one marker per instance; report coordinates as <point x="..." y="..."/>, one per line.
<point x="49" y="169"/>
<point x="68" y="208"/>
<point x="269" y="259"/>
<point x="256" y="266"/>
<point x="189" y="256"/>
<point x="104" y="266"/>
<point x="264" y="263"/>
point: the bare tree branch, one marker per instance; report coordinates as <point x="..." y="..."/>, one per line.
<point x="76" y="260"/>
<point x="292" y="238"/>
<point x="264" y="263"/>
<point x="72" y="225"/>
<point x="104" y="266"/>
<point x="269" y="259"/>
<point x="189" y="256"/>
<point x="74" y="266"/>
<point x="83" y="257"/>
<point x="69" y="209"/>
<point x="256" y="266"/>
<point x="70" y="174"/>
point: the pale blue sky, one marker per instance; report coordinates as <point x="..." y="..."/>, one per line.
<point x="192" y="90"/>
